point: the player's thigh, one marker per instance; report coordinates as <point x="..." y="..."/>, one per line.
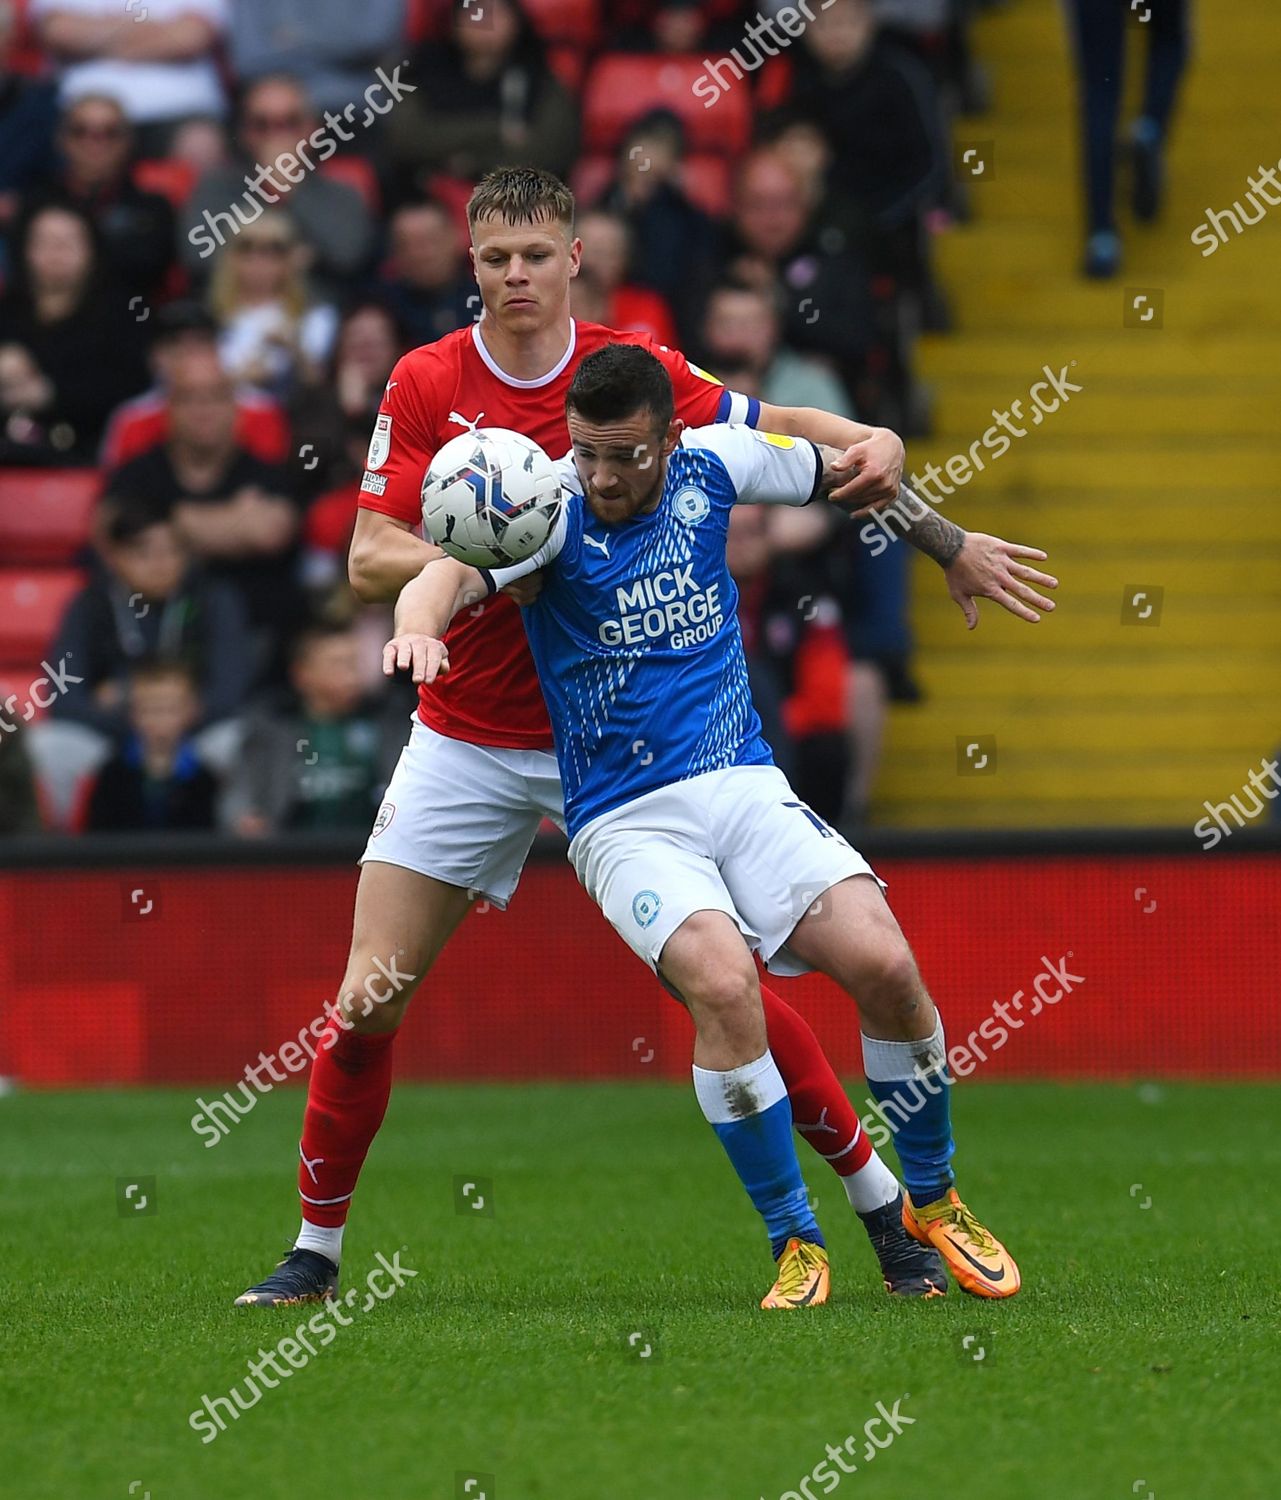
<point x="708" y="963"/>
<point x="851" y="934"/>
<point x="648" y="869"/>
<point x="463" y="814"/>
<point x="402" y="921"/>
<point x="777" y="856"/>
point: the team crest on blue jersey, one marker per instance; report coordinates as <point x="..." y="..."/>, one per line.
<point x="691" y="505"/>
<point x="646" y="905"/>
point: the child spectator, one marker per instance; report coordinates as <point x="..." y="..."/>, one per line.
<point x="322" y="760"/>
<point x="149" y="602"/>
<point x="156" y="782"/>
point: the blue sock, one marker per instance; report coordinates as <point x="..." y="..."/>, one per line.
<point x="749" y="1110"/>
<point x="909" y="1082"/>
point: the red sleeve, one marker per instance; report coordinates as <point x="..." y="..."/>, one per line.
<point x="403" y="442"/>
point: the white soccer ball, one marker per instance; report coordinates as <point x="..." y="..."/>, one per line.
<point x="490" y="498"/>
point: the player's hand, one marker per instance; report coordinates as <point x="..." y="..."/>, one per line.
<point x="525" y="590"/>
<point x="877" y="468"/>
<point x="988" y="568"/>
<point x="422" y="656"/>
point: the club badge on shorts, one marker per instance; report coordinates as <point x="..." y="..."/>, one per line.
<point x="385" y="814"/>
<point x="645" y="907"/>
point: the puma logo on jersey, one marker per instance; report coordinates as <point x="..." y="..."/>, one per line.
<point x="590" y="541"/>
<point x="463" y="422"/>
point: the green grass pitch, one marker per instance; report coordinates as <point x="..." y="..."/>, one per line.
<point x="1141" y="1358"/>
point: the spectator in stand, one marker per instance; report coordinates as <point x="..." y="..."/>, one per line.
<point x="148" y="601"/>
<point x="28" y="117"/>
<point x="332" y="423"/>
<point x="323" y="758"/>
<point x="771" y="242"/>
<point x="232" y="510"/>
<point x="587" y="299"/>
<point x="135" y="229"/>
<point x="156" y="782"/>
<point x="69" y="348"/>
<point x="331" y="516"/>
<point x="275" y="116"/>
<point x="673" y="25"/>
<point x="158" y="59"/>
<point x="331" y="46"/>
<point x="485" y="96"/>
<point x="607" y="252"/>
<point x="742" y="328"/>
<point x="427" y="280"/>
<point x="272" y="332"/>
<point x="19" y="809"/>
<point x="741" y="342"/>
<point x="673" y="243"/>
<point x="1098" y="30"/>
<point x="261" y="424"/>
<point x="878" y="110"/>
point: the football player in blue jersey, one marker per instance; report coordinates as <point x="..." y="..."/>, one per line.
<point x="681" y="827"/>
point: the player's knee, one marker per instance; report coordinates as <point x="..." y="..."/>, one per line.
<point x="891" y="987"/>
<point x="376" y="991"/>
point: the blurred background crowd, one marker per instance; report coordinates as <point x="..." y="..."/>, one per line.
<point x="190" y="367"/>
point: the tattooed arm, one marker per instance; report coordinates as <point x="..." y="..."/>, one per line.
<point x="975" y="565"/>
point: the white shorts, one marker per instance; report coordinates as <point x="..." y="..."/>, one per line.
<point x="738" y="841"/>
<point x="465" y="814"/>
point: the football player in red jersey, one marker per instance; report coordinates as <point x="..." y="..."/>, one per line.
<point x="483" y="731"/>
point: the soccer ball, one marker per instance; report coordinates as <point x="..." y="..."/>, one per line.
<point x="490" y="498"/>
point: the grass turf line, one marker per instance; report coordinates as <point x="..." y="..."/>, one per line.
<point x="1142" y="1348"/>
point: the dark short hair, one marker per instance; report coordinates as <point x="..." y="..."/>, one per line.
<point x="128" y="518"/>
<point x="619" y="380"/>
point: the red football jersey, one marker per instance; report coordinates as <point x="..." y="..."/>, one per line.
<point x="491" y="694"/>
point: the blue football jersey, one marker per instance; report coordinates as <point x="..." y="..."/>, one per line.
<point x="635" y="633"/>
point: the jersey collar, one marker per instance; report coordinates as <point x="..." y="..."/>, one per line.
<point x="525" y="385"/>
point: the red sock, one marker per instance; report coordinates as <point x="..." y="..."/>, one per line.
<point x="820" y="1109"/>
<point x="346" y="1101"/>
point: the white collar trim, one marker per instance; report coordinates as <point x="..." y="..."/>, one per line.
<point x="526" y="385"/>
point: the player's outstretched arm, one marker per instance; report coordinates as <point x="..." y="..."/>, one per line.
<point x="423" y="612"/>
<point x="876" y="468"/>
<point x="975" y="565"/>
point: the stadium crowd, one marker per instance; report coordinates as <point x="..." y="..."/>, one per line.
<point x="221" y="223"/>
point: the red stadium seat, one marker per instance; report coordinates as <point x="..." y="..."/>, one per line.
<point x="45" y="513"/>
<point x="705" y="178"/>
<point x="356" y="173"/>
<point x="621" y="87"/>
<point x="568" y="63"/>
<point x="172" y="179"/>
<point x="32" y="604"/>
<point x="568" y="21"/>
<point x="24" y="54"/>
